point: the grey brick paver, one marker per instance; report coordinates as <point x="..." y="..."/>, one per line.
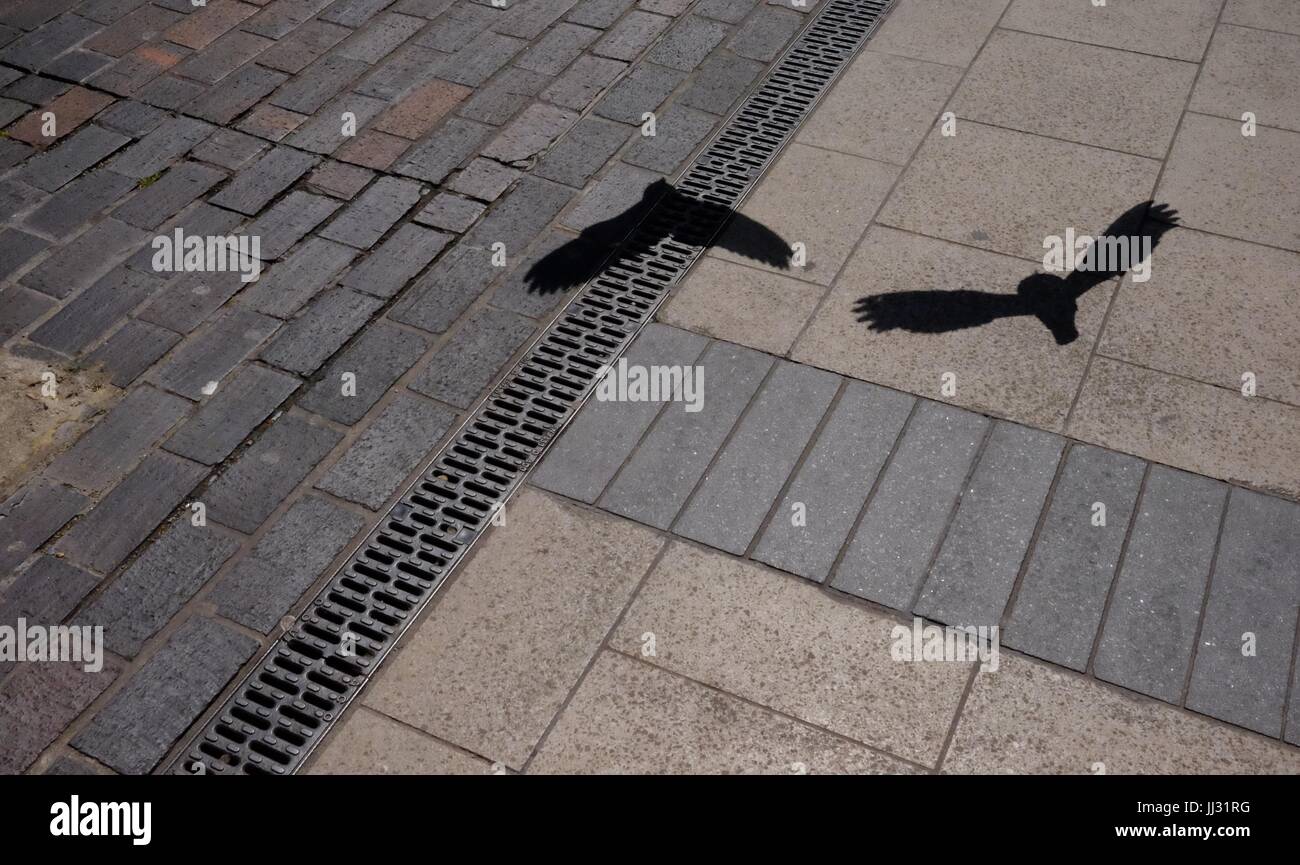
<point x="599" y="13"/>
<point x="253" y="188"/>
<point x="654" y="484"/>
<point x="165" y="144"/>
<point x="288" y="221"/>
<point x="137" y="727"/>
<point x="87" y="318"/>
<point x="377" y="358"/>
<point x="318" y="83"/>
<point x="473" y="357"/>
<point x="690" y="41"/>
<point x="449" y="212"/>
<point x="504" y="95"/>
<point x="834" y="481"/>
<point x="449" y="146"/>
<point x="631" y="35"/>
<point x="74" y="266"/>
<point x="1058" y="609"/>
<point x="484" y="179"/>
<point x="448" y="288"/>
<point x="737" y="492"/>
<point x="766" y="34"/>
<point x="19" y="307"/>
<point x="396" y="262"/>
<point x="480" y="58"/>
<point x="146" y="595"/>
<point x="229" y="149"/>
<point x="31" y="516"/>
<point x="263" y="586"/>
<point x="39" y="701"/>
<point x="103" y="538"/>
<point x="1146" y="641"/>
<point x="246" y="493"/>
<point x="583" y="152"/>
<point x="530" y="133"/>
<point x="677" y="133"/>
<point x="118" y="441"/>
<point x="44" y="593"/>
<point x="373" y="213"/>
<point x="218" y="349"/>
<point x="293" y="282"/>
<point x="888" y="554"/>
<point x="644" y="89"/>
<point x="16" y="249"/>
<point x="79" y="202"/>
<point x="133" y="348"/>
<point x="328" y="322"/>
<point x="53" y="168"/>
<point x="977" y="566"/>
<point x="231" y="414"/>
<point x="371" y="470"/>
<point x="585" y="78"/>
<point x="1255" y="590"/>
<point x="557" y="49"/>
<point x="181" y="185"/>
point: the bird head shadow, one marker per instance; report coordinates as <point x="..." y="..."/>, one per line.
<point x="1053" y="300"/>
<point x="662" y="212"/>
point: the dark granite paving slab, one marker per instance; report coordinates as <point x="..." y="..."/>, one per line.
<point x="1243" y="656"/>
<point x="977" y="565"/>
<point x="1059" y="606"/>
<point x="227" y="418"/>
<point x="31" y="516"/>
<point x="737" y="492"/>
<point x="1146" y="641"/>
<point x="834" y="481"/>
<point x="196" y="368"/>
<point x="473" y="357"/>
<point x="887" y="557"/>
<point x="655" y="482"/>
<point x="363" y="372"/>
<point x="38" y="701"/>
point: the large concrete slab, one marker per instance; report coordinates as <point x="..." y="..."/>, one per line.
<point x="940" y="31"/>
<point x="1165" y="28"/>
<point x="368" y="743"/>
<point x="493" y="663"/>
<point x="1251" y="70"/>
<point x="785" y="644"/>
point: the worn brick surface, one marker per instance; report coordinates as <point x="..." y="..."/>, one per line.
<point x="263" y="586"/>
<point x="20" y="306"/>
<point x="450" y="212"/>
<point x="137" y="68"/>
<point x="468" y="363"/>
<point x="1059" y="606"/>
<point x="54" y="167"/>
<point x="318" y="83"/>
<point x="377" y="358"/>
<point x="503" y="96"/>
<point x="131" y="118"/>
<point x="528" y="20"/>
<point x="166" y="143"/>
<point x="70" y="110"/>
<point x="730" y="11"/>
<point x="677" y="133"/>
<point x="891" y="548"/>
<point x="587" y="77"/>
<point x="170" y="92"/>
<point x="520" y="216"/>
<point x="272" y="123"/>
<point x="132" y="349"/>
<point x="246" y="493"/>
<point x="379" y="36"/>
<point x="288" y="285"/>
<point x="644" y="89"/>
<point x="631" y="35"/>
<point x="229" y="149"/>
<point x="254" y="187"/>
<point x="236" y="93"/>
<point x="142" y="24"/>
<point x="403" y="434"/>
<point x="231" y="414"/>
<point x="136" y="728"/>
<point x="530" y="133"/>
<point x="399" y="72"/>
<point x="622" y="186"/>
<point x="189" y="299"/>
<point x="484" y="179"/>
<point x="172" y="192"/>
<point x="655" y="482"/>
<point x="766" y="34"/>
<point x="37" y="49"/>
<point x="31" y="516"/>
<point x="210" y="355"/>
<point x="834" y="480"/>
<point x="104" y="537"/>
<point x="222" y="57"/>
<point x="340" y="179"/>
<point x="599" y="13"/>
<point x="118" y="441"/>
<point x="87" y="318"/>
<point x="1146" y="640"/>
<point x="45" y="592"/>
<point x="583" y="152"/>
<point x="971" y="579"/>
<point x="373" y="149"/>
<point x="38" y="701"/>
<point x="396" y="261"/>
<point x="288" y="221"/>
<point x="75" y="265"/>
<point x="1254" y="590"/>
<point x="78" y="202"/>
<point x="447" y="289"/>
<point x="147" y="594"/>
<point x="373" y="213"/>
<point x="480" y="58"/>
<point x="16" y="249"/>
<point x="323" y="133"/>
<point x="557" y="49"/>
<point x="328" y="322"/>
<point x="435" y="157"/>
<point x="688" y="43"/>
<point x="200" y="28"/>
<point x="302" y="46"/>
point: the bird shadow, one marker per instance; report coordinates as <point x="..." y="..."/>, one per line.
<point x="662" y="212"/>
<point x="1053" y="300"/>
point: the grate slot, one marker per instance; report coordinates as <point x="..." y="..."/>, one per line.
<point x="300" y="686"/>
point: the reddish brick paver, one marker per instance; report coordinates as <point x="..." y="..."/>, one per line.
<point x="70" y="110"/>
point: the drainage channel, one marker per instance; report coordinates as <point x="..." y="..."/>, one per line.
<point x="284" y="706"/>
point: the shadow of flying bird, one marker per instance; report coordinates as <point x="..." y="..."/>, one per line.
<point x="685" y="219"/>
<point x="1053" y="300"/>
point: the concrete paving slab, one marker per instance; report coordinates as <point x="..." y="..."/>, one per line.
<point x="368" y="743"/>
<point x="940" y="31"/>
<point x="1251" y="70"/>
<point x="783" y="643"/>
<point x="1165" y="28"/>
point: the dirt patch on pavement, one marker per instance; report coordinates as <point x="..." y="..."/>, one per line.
<point x="43" y="409"/>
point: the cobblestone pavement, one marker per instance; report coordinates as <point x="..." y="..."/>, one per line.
<point x="380" y="150"/>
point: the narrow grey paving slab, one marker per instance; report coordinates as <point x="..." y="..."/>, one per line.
<point x="31" y="516"/>
<point x="19" y="307"/>
<point x="400" y="438"/>
<point x="557" y="49"/>
<point x="87" y="318"/>
<point x="147" y="594"/>
<point x="583" y="152"/>
<point x="656" y="481"/>
<point x="246" y="493"/>
<point x="737" y="492"/>
<point x="688" y="43"/>
<point x="118" y="441"/>
<point x="484" y="179"/>
<point x="253" y="188"/>
<point x="577" y="87"/>
<point x="644" y="89"/>
<point x="977" y="565"/>
<point x="288" y="221"/>
<point x="464" y="367"/>
<point x="1146" y="641"/>
<point x="1059" y="606"/>
<point x="137" y="727"/>
<point x="236" y="94"/>
<point x="263" y="586"/>
<point x="371" y="364"/>
<point x="530" y="133"/>
<point x="447" y="289"/>
<point x="449" y="146"/>
<point x="54" y="167"/>
<point x="133" y="348"/>
<point x="888" y="554"/>
<point x="39" y="701"/>
<point x="160" y="148"/>
<point x="45" y="592"/>
<point x="1243" y="658"/>
<point x="200" y="220"/>
<point x="764" y="35"/>
<point x="17" y="248"/>
<point x="318" y="83"/>
<point x="288" y="285"/>
<point x="678" y="132"/>
<point x="370" y="216"/>
<point x="622" y="186"/>
<point x="228" y="417"/>
<point x="599" y="13"/>
<point x="103" y="538"/>
<point x="520" y="216"/>
<point x="194" y="367"/>
<point x="328" y="322"/>
<point x="388" y="269"/>
<point x="530" y="19"/>
<point x="521" y="293"/>
<point x="79" y="202"/>
<point x="172" y="192"/>
<point x="600" y="438"/>
<point x="632" y="35"/>
<point x="450" y="212"/>
<point x="190" y="299"/>
<point x="834" y="481"/>
<point x="504" y="96"/>
<point x="78" y="263"/>
<point x="479" y="59"/>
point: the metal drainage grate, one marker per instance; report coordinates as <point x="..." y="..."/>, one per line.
<point x="283" y="707"/>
